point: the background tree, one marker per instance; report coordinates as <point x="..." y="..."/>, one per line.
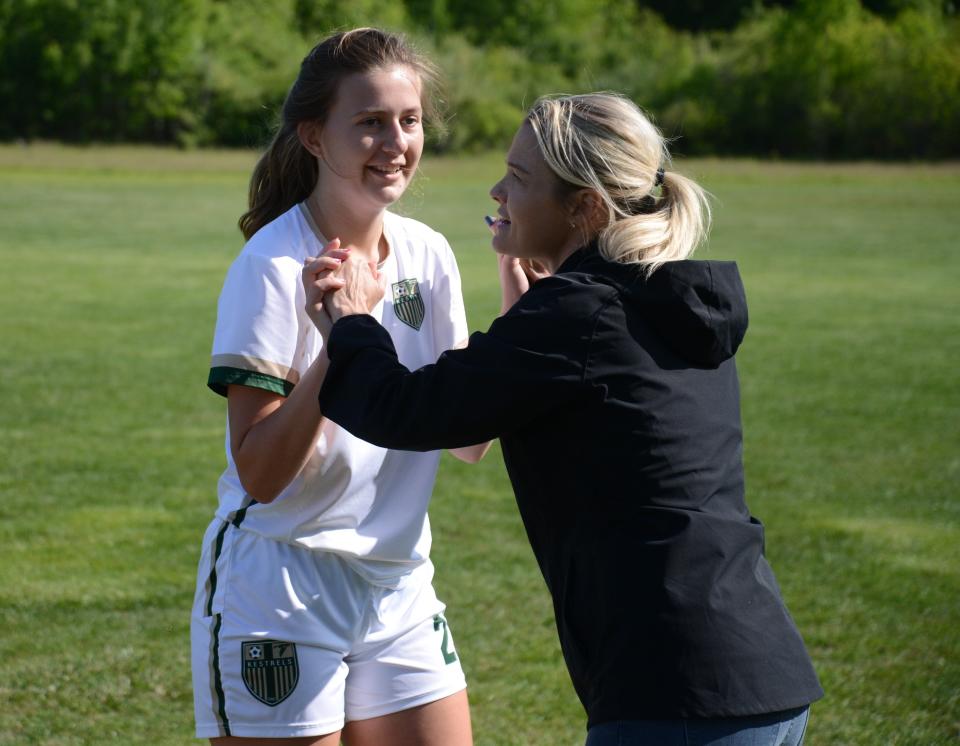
<point x="796" y="78"/>
<point x="99" y="69"/>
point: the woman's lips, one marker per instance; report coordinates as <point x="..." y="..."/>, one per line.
<point x="495" y="223"/>
<point x="388" y="172"/>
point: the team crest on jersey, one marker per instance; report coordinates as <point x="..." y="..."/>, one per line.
<point x="407" y="303"/>
<point x="270" y="669"/>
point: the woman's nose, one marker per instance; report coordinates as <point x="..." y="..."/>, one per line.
<point x="496" y="192"/>
<point x="395" y="140"/>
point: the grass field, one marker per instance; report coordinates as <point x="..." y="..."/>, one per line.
<point x="110" y="443"/>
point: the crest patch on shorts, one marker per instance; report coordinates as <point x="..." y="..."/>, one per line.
<point x="270" y="669"/>
<point x="407" y="303"/>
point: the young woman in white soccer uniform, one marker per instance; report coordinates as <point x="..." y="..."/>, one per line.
<point x="315" y="618"/>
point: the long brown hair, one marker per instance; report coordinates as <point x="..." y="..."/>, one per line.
<point x="287" y="173"/>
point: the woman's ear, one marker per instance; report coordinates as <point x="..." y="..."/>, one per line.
<point x="309" y="135"/>
<point x="588" y="210"/>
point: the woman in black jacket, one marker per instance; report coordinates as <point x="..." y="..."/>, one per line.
<point x="612" y="387"/>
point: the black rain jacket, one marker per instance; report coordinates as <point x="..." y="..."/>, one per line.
<point x="616" y="401"/>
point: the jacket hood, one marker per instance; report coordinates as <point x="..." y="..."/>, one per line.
<point x="699" y="308"/>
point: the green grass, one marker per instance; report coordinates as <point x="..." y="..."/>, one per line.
<point x="110" y="443"/>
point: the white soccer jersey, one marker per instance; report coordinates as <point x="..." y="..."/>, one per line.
<point x="365" y="503"/>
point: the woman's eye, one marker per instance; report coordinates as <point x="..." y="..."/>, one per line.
<point x="369" y="122"/>
<point x="411" y="121"/>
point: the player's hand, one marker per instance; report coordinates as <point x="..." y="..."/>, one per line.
<point x="319" y="278"/>
<point x="363" y="288"/>
<point x="516" y="277"/>
<point x="534" y="270"/>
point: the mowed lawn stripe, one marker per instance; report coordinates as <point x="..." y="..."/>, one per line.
<point x="111" y="443"/>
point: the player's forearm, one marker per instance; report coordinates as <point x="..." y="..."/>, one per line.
<point x="275" y="449"/>
<point x="471" y="454"/>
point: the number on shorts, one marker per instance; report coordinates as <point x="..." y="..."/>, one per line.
<point x="449" y="656"/>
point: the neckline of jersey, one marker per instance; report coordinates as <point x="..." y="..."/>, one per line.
<point x="312" y="224"/>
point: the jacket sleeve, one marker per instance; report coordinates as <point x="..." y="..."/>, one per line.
<point x="500" y="382"/>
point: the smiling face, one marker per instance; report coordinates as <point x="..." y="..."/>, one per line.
<point x="370" y="144"/>
<point x="536" y="216"/>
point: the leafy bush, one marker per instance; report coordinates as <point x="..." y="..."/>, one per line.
<point x="98" y="69"/>
<point x="250" y="58"/>
<point x="811" y="78"/>
<point x="829" y="80"/>
<point x="488" y="90"/>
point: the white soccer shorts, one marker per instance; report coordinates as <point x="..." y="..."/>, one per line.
<point x="289" y="642"/>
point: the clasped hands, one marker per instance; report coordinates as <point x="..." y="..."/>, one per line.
<point x="338" y="285"/>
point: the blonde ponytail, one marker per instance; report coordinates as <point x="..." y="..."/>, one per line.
<point x="678" y="223"/>
<point x="603" y="142"/>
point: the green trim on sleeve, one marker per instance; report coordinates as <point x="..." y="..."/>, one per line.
<point x="220" y="377"/>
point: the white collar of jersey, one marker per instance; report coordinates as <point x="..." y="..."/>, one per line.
<point x="308" y="217"/>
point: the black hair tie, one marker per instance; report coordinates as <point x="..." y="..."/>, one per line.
<point x="659" y="180"/>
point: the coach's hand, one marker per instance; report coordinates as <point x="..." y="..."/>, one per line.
<point x="363" y="288"/>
